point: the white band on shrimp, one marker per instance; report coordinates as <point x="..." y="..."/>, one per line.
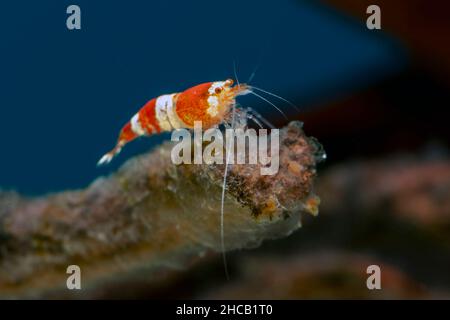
<point x="172" y="115"/>
<point x="213" y="109"/>
<point x="136" y="125"/>
<point x="162" y="104"/>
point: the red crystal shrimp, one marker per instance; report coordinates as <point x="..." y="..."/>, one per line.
<point x="209" y="103"/>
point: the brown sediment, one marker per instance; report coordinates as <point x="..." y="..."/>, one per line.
<point x="151" y="216"/>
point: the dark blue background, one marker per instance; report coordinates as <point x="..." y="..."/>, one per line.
<point x="64" y="95"/>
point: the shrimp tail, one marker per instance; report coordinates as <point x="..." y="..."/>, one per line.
<point x="107" y="157"/>
<point x="126" y="135"/>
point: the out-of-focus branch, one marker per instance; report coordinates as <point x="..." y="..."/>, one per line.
<point x="326" y="274"/>
<point x="151" y="215"/>
<point x="409" y="187"/>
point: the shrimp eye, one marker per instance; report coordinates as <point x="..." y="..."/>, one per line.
<point x="218" y="90"/>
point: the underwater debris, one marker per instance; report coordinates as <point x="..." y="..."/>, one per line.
<point x="151" y="216"/>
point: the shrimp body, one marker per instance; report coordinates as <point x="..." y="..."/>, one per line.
<point x="209" y="103"/>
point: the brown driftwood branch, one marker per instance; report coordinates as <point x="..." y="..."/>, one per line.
<point x="151" y="215"/>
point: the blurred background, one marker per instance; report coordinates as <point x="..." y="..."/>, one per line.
<point x="376" y="100"/>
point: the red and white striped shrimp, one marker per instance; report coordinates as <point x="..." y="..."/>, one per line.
<point x="209" y="103"/>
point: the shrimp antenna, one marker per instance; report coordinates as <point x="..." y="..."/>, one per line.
<point x="224" y="185"/>
<point x="235" y="72"/>
<point x="252" y="75"/>
<point x="277" y="96"/>
<point x="222" y="204"/>
<point x="269" y="102"/>
<point x="258" y="64"/>
<point x="262" y="55"/>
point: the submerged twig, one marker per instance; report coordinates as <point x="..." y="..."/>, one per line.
<point x="151" y="215"/>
